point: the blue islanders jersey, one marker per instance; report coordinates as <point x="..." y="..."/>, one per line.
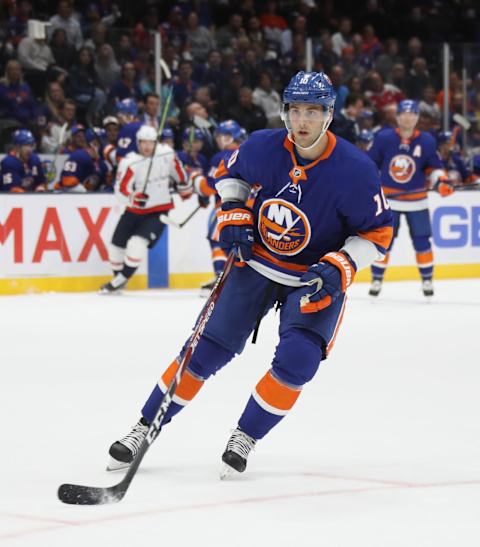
<point x="17" y="176"/>
<point x="302" y="212"/>
<point x="190" y="162"/>
<point x="82" y="168"/>
<point x="405" y="165"/>
<point x="127" y="139"/>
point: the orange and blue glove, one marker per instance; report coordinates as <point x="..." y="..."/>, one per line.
<point x="326" y="281"/>
<point x="444" y="187"/>
<point x="235" y="225"/>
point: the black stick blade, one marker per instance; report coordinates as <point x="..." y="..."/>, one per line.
<point x="75" y="494"/>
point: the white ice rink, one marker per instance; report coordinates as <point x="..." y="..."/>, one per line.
<point x="382" y="449"/>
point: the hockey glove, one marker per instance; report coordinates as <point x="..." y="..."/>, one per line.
<point x="139" y="199"/>
<point x="235" y="225"/>
<point x="185" y="188"/>
<point x="204" y="201"/>
<point x="444" y="188"/>
<point x="326" y="281"/>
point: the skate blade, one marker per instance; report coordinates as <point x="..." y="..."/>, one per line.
<point x="115" y="465"/>
<point x="118" y="292"/>
<point x="228" y="473"/>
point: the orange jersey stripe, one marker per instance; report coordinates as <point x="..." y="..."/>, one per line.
<point x="276" y="394"/>
<point x="70" y="181"/>
<point x="380" y="236"/>
<point x="221" y="170"/>
<point x="260" y="251"/>
<point x="219" y="254"/>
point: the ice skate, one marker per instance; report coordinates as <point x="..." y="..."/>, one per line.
<point x="427" y="288"/>
<point x="123" y="451"/>
<point x="236" y="453"/>
<point x="207" y="287"/>
<point x="375" y="287"/>
<point x="114" y="286"/>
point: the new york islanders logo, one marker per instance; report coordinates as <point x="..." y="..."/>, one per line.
<point x="402" y="168"/>
<point x="284" y="228"/>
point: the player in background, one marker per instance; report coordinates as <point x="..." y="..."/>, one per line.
<point x="365" y="139"/>
<point x="407" y="159"/>
<point x="191" y="155"/>
<point x="84" y="169"/>
<point x="318" y="217"/>
<point x="451" y="160"/>
<point x="109" y="150"/>
<point x="21" y="169"/>
<point x="127" y="114"/>
<point x="228" y="136"/>
<point x="140" y="227"/>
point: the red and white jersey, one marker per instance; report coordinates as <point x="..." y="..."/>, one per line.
<point x="131" y="177"/>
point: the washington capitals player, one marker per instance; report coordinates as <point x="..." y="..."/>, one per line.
<point x="405" y="157"/>
<point x="21" y="169"/>
<point x="318" y="217"/>
<point x="143" y="185"/>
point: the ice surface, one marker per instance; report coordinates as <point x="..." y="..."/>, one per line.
<point x="382" y="449"/>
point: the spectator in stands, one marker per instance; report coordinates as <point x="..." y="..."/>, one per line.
<point x="247" y="114"/>
<point x="98" y="36"/>
<point x="418" y="78"/>
<point x="106" y="66"/>
<point x="398" y="77"/>
<point x="380" y="93"/>
<point x="327" y="57"/>
<point x="125" y="52"/>
<point x="127" y="86"/>
<point x="63" y="52"/>
<point x="203" y="96"/>
<point x="350" y="67"/>
<point x="233" y="30"/>
<point x="35" y="56"/>
<point x="371" y="47"/>
<point x="273" y="24"/>
<point x="414" y="50"/>
<point x="428" y="103"/>
<point x="336" y="75"/>
<point x="16" y="98"/>
<point x="250" y="65"/>
<point x="345" y="122"/>
<point x="211" y="73"/>
<point x="234" y="82"/>
<point x="16" y="27"/>
<point x="183" y="85"/>
<point x="254" y="30"/>
<point x="389" y="57"/>
<point x="50" y="110"/>
<point x="174" y="28"/>
<point x="298" y="29"/>
<point x="56" y="136"/>
<point x="66" y="20"/>
<point x="151" y="110"/>
<point x="199" y="40"/>
<point x="268" y="100"/>
<point x="388" y="116"/>
<point x="84" y="87"/>
<point x="343" y="37"/>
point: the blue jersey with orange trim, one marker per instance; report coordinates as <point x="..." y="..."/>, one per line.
<point x="404" y="163"/>
<point x="456" y="169"/>
<point x="198" y="162"/>
<point x="18" y="176"/>
<point x="302" y="212"/>
<point x="82" y="168"/>
<point x="127" y="139"/>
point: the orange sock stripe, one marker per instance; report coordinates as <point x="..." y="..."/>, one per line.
<point x="425" y="258"/>
<point x="219" y="254"/>
<point x="188" y="387"/>
<point x="274" y="396"/>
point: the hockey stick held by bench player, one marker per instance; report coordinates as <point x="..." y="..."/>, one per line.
<point x="457" y="187"/>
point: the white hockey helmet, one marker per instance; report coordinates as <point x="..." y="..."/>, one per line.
<point x="146" y="133"/>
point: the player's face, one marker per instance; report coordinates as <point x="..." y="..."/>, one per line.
<point x="407" y="120"/>
<point x="112" y="132"/>
<point x="26" y="151"/>
<point x="307" y="122"/>
<point x="146" y="147"/>
<point x="223" y="141"/>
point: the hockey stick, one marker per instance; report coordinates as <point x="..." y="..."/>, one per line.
<point x="166" y="220"/>
<point x="76" y="494"/>
<point x="457" y="187"/>
<point x="61" y="138"/>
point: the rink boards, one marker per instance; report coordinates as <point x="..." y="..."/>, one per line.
<point x="59" y="242"/>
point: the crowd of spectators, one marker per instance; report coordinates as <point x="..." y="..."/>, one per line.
<point x="229" y="59"/>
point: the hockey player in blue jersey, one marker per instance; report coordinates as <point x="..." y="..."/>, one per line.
<point x="451" y="160"/>
<point x="319" y="217"/>
<point x="21" y="169"/>
<point x="408" y="160"/>
<point x="84" y="169"/>
<point x="191" y="155"/>
<point x="127" y="114"/>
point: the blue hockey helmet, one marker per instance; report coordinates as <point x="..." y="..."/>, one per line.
<point x="167" y="133"/>
<point x="93" y="133"/>
<point x="365" y="135"/>
<point x="127" y="106"/>
<point x="243" y="134"/>
<point x="192" y="133"/>
<point x="23" y="136"/>
<point x="408" y="105"/>
<point x="310" y="87"/>
<point x="445" y="136"/>
<point x="229" y="128"/>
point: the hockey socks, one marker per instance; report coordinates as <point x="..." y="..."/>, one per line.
<point x="270" y="401"/>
